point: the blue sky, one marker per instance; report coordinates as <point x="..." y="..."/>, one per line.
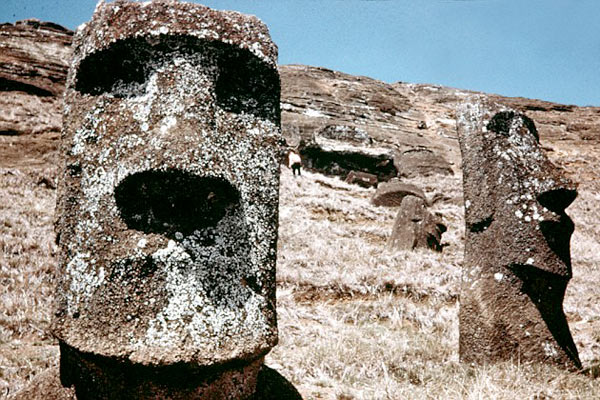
<point x="545" y="49"/>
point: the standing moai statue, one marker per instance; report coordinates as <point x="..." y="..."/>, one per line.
<point x="168" y="204"/>
<point x="517" y="257"/>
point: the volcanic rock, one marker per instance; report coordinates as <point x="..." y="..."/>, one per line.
<point x="421" y="162"/>
<point x="362" y="179"/>
<point x="167" y="205"/>
<point x="517" y="258"/>
<point x="33" y="68"/>
<point x="416" y="227"/>
<point x="339" y="157"/>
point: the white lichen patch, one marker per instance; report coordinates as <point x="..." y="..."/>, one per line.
<point x="519" y="214"/>
<point x="311" y="112"/>
<point x="209" y="306"/>
<point x="84" y="279"/>
<point x="550" y="350"/>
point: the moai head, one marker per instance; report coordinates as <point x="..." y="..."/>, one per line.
<point x="168" y="203"/>
<point x="517" y="257"/>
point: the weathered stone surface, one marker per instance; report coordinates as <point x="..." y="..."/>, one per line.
<point x="168" y="199"/>
<point x="416" y="227"/>
<point x="391" y="194"/>
<point x="517" y="258"/>
<point x="357" y="111"/>
<point x="362" y="179"/>
<point x="33" y="65"/>
<point x="421" y="162"/>
<point x="338" y="155"/>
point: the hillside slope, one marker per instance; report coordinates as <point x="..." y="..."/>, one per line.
<point x="356" y="320"/>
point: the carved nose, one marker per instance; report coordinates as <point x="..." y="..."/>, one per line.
<point x="172" y="201"/>
<point x="557" y="200"/>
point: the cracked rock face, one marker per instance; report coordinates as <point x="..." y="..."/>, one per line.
<point x="517" y="256"/>
<point x="168" y="198"/>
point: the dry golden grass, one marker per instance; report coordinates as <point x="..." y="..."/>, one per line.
<point x="356" y="321"/>
<point x="360" y="322"/>
<point x="27" y="261"/>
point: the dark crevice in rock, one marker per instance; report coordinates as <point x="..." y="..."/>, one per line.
<point x="168" y="202"/>
<point x="341" y="163"/>
<point x="482" y="225"/>
<point x="9" y="85"/>
<point x="9" y="132"/>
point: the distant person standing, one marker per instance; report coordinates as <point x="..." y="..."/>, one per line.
<point x="294" y="161"/>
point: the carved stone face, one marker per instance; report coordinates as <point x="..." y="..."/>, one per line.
<point x="517" y="257"/>
<point x="520" y="197"/>
<point x="168" y="202"/>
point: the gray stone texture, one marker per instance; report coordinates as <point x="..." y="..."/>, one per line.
<point x="415" y="227"/>
<point x="168" y="199"/>
<point x="517" y="258"/>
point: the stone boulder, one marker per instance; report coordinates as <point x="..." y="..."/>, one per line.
<point x="338" y="150"/>
<point x="517" y="257"/>
<point x="362" y="179"/>
<point x="391" y="194"/>
<point x="416" y="227"/>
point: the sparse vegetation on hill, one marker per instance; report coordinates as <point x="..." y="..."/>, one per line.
<point x="355" y="320"/>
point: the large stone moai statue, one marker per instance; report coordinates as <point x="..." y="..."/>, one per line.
<point x="167" y="209"/>
<point x="517" y="258"/>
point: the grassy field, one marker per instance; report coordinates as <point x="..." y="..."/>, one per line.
<point x="356" y="320"/>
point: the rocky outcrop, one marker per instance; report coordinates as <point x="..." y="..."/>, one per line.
<point x="421" y="161"/>
<point x="339" y="157"/>
<point x="406" y="118"/>
<point x="34" y="58"/>
<point x="354" y="111"/>
<point x="517" y="257"/>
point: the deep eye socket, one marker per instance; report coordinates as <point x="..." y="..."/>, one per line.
<point x="248" y="85"/>
<point x="245" y="83"/>
<point x="557" y="200"/>
<point x="501" y="123"/>
<point x="120" y="70"/>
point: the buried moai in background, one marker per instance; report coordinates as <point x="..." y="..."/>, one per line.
<point x="167" y="207"/>
<point x="517" y="257"/>
<point x="416" y="227"/>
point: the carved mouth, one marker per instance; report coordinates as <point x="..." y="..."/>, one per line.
<point x="174" y="202"/>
